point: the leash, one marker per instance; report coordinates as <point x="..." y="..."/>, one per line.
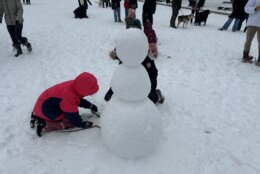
<point x="181" y="12"/>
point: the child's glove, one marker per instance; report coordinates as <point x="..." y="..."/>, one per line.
<point x="94" y="108"/>
<point x="87" y="124"/>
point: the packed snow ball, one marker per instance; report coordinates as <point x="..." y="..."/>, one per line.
<point x="131" y="84"/>
<point x="131" y="129"/>
<point x="132" y="47"/>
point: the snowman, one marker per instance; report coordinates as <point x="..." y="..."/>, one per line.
<point x="130" y="122"/>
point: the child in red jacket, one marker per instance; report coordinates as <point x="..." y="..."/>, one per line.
<point x="57" y="107"/>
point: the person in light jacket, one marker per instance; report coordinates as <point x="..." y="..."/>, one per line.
<point x="13" y="11"/>
<point x="253" y="26"/>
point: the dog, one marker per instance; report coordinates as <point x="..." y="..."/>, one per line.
<point x="185" y="19"/>
<point x="202" y="17"/>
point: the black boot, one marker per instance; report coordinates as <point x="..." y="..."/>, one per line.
<point x="18" y="49"/>
<point x="29" y="46"/>
<point x="40" y="125"/>
<point x="161" y="97"/>
<point x="246" y="57"/>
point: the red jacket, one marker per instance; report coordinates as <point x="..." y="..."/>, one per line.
<point x="63" y="99"/>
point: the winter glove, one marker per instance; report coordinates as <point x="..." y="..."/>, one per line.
<point x="16" y="22"/>
<point x="94" y="108"/>
<point x="0" y="21"/>
<point x="87" y="124"/>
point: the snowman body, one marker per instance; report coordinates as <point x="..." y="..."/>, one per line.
<point x="131" y="124"/>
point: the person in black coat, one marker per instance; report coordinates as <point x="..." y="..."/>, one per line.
<point x="238" y="14"/>
<point x="149" y="9"/>
<point x="84" y="3"/>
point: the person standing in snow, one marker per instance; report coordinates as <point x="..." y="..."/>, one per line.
<point x="57" y="107"/>
<point x="84" y="3"/>
<point x="126" y="6"/>
<point x="117" y="10"/>
<point x="13" y="11"/>
<point x="149" y="9"/>
<point x="196" y="5"/>
<point x="253" y="26"/>
<point x="238" y="14"/>
<point x="176" y="6"/>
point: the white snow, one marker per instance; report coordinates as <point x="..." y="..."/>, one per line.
<point x="131" y="84"/>
<point x="131" y="54"/>
<point x="131" y="129"/>
<point x="210" y="118"/>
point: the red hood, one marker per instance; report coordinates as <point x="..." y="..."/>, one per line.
<point x="85" y="84"/>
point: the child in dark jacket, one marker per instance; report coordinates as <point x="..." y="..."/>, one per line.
<point x="57" y="107"/>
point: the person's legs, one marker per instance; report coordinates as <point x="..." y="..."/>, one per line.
<point x="258" y="40"/>
<point x="249" y="37"/>
<point x="16" y="44"/>
<point x="175" y="12"/>
<point x="226" y="25"/>
<point x="115" y="15"/>
<point x="11" y="31"/>
<point x="119" y="14"/>
<point x="236" y="25"/>
<point x="23" y="40"/>
<point x="192" y="12"/>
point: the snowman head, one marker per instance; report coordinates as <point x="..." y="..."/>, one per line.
<point x="132" y="47"/>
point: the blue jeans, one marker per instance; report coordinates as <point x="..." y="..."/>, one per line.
<point x="229" y="21"/>
<point x="117" y="14"/>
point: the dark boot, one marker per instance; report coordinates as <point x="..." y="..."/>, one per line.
<point x="258" y="61"/>
<point x="29" y="46"/>
<point x="161" y="97"/>
<point x="246" y="57"/>
<point x="18" y="49"/>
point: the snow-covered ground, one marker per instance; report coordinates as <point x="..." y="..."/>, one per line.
<point x="210" y="117"/>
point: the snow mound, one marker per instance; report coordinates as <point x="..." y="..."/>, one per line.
<point x="131" y="84"/>
<point x="130" y="130"/>
<point x="132" y="47"/>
